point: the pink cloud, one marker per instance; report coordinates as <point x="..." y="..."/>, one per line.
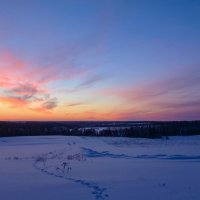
<point x="170" y="98"/>
<point x="23" y="83"/>
<point x="175" y="85"/>
<point x="14" y="101"/>
<point x="19" y="85"/>
<point x="14" y="69"/>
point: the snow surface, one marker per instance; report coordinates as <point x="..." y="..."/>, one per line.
<point x="74" y="168"/>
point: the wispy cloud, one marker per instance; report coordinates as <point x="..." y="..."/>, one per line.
<point x="176" y="86"/>
<point x="175" y="96"/>
<point x="75" y="104"/>
<point x="46" y="106"/>
<point x="184" y="104"/>
<point x="89" y="81"/>
<point x="24" y="83"/>
<point x="26" y="91"/>
<point x="50" y="104"/>
<point x="13" y="101"/>
<point x="15" y="69"/>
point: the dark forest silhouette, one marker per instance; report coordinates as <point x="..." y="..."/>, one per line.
<point x="108" y="129"/>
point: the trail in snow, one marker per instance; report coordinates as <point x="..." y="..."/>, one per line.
<point x="58" y="164"/>
<point x="96" y="154"/>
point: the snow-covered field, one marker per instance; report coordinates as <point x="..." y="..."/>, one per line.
<point x="75" y="168"/>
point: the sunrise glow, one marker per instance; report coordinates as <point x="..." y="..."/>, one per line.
<point x="99" y="60"/>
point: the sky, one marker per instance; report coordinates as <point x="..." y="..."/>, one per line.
<point x="99" y="60"/>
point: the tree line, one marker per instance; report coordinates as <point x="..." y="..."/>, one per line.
<point x="141" y="130"/>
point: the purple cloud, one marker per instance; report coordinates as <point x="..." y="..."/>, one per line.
<point x="50" y="104"/>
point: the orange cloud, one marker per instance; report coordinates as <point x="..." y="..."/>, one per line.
<point x="18" y="85"/>
<point x="13" y="101"/>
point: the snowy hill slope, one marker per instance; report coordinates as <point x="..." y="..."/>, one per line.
<point x="73" y="168"/>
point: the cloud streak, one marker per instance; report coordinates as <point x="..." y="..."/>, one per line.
<point x="24" y="83"/>
<point x="175" y="96"/>
<point x="50" y="104"/>
<point x="75" y="104"/>
<point x="89" y="81"/>
<point x="13" y="101"/>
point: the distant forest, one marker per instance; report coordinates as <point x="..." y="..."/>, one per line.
<point x="144" y="129"/>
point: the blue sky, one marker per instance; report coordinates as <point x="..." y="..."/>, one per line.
<point x="112" y="60"/>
